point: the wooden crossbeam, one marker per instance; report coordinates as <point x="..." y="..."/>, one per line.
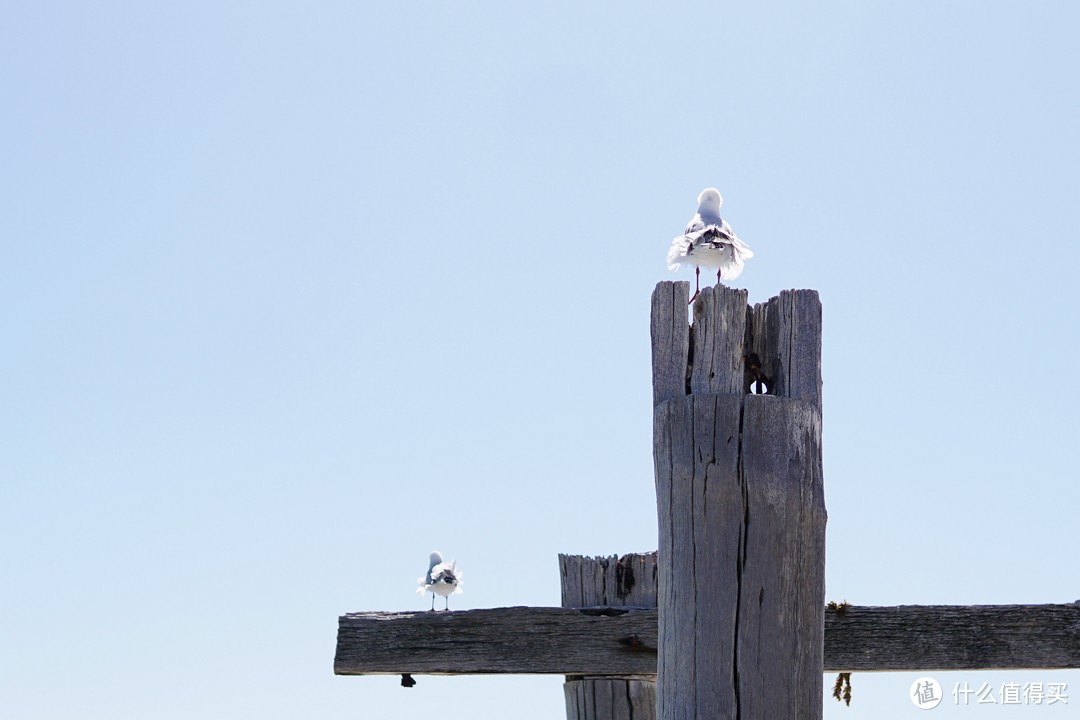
<point x="622" y="641"/>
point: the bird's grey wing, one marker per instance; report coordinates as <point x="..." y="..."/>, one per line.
<point x="695" y="225"/>
<point x="716" y="235"/>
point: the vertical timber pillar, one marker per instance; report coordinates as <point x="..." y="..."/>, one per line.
<point x="629" y="581"/>
<point x="740" y="504"/>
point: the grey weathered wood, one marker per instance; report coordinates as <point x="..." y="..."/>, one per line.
<point x="564" y="641"/>
<point x="782" y="587"/>
<point x="502" y="640"/>
<point x="627" y="581"/>
<point x="615" y="698"/>
<point x="717" y="339"/>
<point x="953" y="637"/>
<point x="670" y="330"/>
<point x="785" y="334"/>
<point x="741" y="511"/>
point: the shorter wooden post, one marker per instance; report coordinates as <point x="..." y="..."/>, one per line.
<point x="629" y="581"/>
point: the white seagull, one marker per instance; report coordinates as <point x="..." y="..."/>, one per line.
<point x="709" y="241"/>
<point x="441" y="579"/>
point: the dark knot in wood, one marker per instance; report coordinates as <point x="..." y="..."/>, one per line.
<point x="634" y="644"/>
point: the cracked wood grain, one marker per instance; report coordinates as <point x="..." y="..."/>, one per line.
<point x="740" y="507"/>
<point x="567" y="641"/>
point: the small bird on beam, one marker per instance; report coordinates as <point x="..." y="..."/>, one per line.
<point x="442" y="579"/>
<point x="709" y="241"/>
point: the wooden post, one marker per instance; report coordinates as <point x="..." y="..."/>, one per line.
<point x="629" y="581"/>
<point x="740" y="503"/>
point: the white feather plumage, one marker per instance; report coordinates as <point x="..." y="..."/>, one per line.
<point x="443" y="578"/>
<point x="709" y="241"/>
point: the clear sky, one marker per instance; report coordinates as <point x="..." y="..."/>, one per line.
<point x="293" y="293"/>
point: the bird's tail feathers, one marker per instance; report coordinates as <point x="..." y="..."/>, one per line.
<point x="677" y="252"/>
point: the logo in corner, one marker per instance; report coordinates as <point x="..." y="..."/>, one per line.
<point x="925" y="693"/>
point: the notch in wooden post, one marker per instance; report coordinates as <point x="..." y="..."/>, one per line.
<point x="731" y="344"/>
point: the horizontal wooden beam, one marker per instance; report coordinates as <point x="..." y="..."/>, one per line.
<point x="517" y="640"/>
<point x="622" y="641"/>
<point x="953" y="637"/>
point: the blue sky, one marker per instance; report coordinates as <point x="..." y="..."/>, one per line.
<point x="292" y="294"/>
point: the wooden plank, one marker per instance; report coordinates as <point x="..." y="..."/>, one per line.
<point x="670" y="331"/>
<point x="717" y="354"/>
<point x="565" y="641"/>
<point x="501" y="640"/>
<point x="953" y="637"/>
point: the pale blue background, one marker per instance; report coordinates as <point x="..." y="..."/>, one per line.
<point x="293" y="293"/>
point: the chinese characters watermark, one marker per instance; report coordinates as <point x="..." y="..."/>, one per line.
<point x="926" y="693"/>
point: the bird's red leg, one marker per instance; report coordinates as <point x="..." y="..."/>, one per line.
<point x="718" y="276"/>
<point x="697" y="285"/>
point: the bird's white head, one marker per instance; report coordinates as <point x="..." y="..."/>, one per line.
<point x="710" y="199"/>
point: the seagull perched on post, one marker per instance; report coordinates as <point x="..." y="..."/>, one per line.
<point x="709" y="241"/>
<point x="441" y="579"/>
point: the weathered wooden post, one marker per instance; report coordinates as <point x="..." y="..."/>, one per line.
<point x="740" y="503"/>
<point x="609" y="583"/>
<point x="740" y="620"/>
